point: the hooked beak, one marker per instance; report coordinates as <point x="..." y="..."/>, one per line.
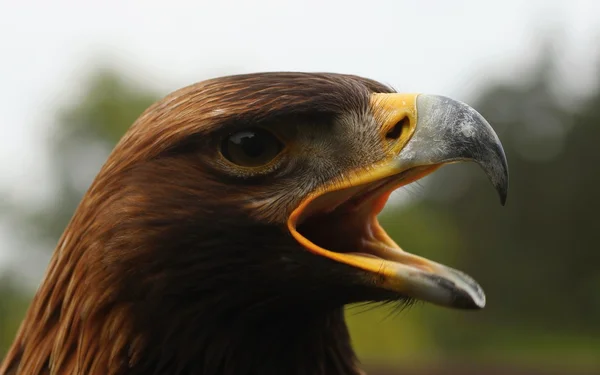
<point x="339" y="221"/>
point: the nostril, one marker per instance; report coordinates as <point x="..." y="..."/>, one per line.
<point x="398" y="129"/>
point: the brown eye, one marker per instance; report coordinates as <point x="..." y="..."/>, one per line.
<point x="251" y="147"/>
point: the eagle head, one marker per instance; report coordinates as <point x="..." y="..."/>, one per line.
<point x="234" y="221"/>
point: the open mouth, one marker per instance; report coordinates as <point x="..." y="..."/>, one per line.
<point x="345" y="221"/>
<point x="342" y="224"/>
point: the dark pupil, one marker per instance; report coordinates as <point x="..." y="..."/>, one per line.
<point x="252" y="145"/>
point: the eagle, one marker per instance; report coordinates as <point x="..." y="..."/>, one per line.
<point x="236" y="218"/>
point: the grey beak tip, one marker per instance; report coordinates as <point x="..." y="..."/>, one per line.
<point x="465" y="302"/>
<point x="502" y="186"/>
<point x="503" y="196"/>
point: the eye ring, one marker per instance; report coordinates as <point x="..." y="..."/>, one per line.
<point x="253" y="147"/>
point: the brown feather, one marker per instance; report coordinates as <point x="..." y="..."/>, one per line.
<point x="166" y="269"/>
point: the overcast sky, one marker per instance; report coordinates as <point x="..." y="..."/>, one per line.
<point x="443" y="47"/>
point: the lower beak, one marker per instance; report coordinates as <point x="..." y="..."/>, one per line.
<point x="340" y="220"/>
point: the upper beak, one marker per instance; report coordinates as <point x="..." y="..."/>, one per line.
<point x="450" y="131"/>
<point x="339" y="220"/>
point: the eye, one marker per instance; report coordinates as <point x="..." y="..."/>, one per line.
<point x="251" y="147"/>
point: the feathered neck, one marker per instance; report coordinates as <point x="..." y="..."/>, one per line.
<point x="93" y="315"/>
<point x="110" y="341"/>
<point x="289" y="342"/>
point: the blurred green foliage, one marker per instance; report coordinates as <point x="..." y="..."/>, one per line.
<point x="536" y="258"/>
<point x="87" y="131"/>
<point x="13" y="305"/>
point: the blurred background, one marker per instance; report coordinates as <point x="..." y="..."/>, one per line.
<point x="75" y="74"/>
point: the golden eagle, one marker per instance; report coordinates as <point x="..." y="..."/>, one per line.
<point x="235" y="220"/>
